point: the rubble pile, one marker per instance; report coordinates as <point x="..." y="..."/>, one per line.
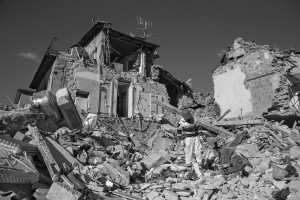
<point x="254" y="162"/>
<point x="106" y="123"/>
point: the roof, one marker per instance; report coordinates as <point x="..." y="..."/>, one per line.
<point x="22" y="91"/>
<point x="43" y="68"/>
<point x="113" y="33"/>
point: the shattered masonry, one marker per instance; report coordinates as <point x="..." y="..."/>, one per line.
<point x="104" y="125"/>
<point x="121" y="65"/>
<point x="252" y="79"/>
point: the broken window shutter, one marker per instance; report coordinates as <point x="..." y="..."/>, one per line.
<point x="130" y="100"/>
<point x="110" y="97"/>
<point x="153" y="104"/>
<point x="115" y="97"/>
<point x="104" y="98"/>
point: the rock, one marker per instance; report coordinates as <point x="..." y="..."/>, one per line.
<point x="279" y="184"/>
<point x="262" y="167"/>
<point x="156" y="187"/>
<point x="159" y="198"/>
<point x="208" y="187"/>
<point x="136" y="195"/>
<point x="116" y="173"/>
<point x="184" y="194"/>
<point x="184" y="198"/>
<point x="155" y="159"/>
<point x="295" y="197"/>
<point x="294" y="185"/>
<point x="167" y="185"/>
<point x="266" y="190"/>
<point x="199" y="194"/>
<point x="152" y="195"/>
<point x="179" y="186"/>
<point x="144" y="186"/>
<point x="40" y="194"/>
<point x="58" y="191"/>
<point x="217" y="181"/>
<point x="169" y="195"/>
<point x="279" y="173"/>
<point x="295" y="152"/>
<point x="252" y="184"/>
<point x="245" y="182"/>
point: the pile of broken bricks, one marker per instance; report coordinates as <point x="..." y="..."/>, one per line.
<point x="248" y="162"/>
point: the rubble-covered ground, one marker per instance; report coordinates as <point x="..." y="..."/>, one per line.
<point x="137" y="159"/>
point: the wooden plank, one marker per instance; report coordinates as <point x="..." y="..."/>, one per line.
<point x="104" y="98"/>
<point x="210" y="127"/>
<point x="215" y="129"/>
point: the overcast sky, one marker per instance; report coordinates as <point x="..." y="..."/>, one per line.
<point x="191" y="34"/>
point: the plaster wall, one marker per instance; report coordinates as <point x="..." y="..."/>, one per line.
<point x="231" y="93"/>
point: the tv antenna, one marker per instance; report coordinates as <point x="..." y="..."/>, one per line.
<point x="146" y="24"/>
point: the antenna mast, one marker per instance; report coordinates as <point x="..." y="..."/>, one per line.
<point x="146" y="24"/>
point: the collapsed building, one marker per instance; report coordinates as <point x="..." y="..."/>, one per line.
<point x="255" y="79"/>
<point x="112" y="74"/>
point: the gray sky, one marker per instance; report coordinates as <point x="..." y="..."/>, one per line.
<point x="192" y="34"/>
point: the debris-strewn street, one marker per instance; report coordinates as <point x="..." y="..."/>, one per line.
<point x="105" y="122"/>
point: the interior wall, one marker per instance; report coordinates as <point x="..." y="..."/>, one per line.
<point x="231" y="93"/>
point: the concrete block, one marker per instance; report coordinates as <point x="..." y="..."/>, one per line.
<point x="60" y="154"/>
<point x="41" y="193"/>
<point x="295" y="152"/>
<point x="59" y="191"/>
<point x="68" y="109"/>
<point x="19" y="136"/>
<point x="155" y="159"/>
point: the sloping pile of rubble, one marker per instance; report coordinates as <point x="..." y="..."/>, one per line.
<point x="111" y="158"/>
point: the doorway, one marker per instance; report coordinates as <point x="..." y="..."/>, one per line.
<point x="122" y="100"/>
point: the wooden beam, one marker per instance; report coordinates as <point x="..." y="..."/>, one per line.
<point x="215" y="129"/>
<point x="210" y="127"/>
<point x="239" y="122"/>
<point x="167" y="106"/>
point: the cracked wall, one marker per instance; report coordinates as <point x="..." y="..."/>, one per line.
<point x="250" y="80"/>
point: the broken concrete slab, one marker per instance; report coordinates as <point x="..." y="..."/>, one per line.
<point x="41" y="193"/>
<point x="60" y="191"/>
<point x="155" y="159"/>
<point x="68" y="109"/>
<point x="60" y="154"/>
